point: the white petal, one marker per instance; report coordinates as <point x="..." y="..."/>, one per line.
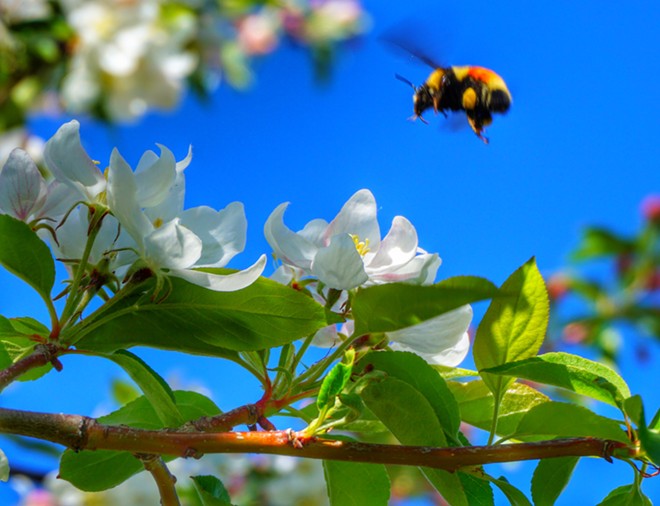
<point x="59" y="200"/>
<point x="226" y="283"/>
<point x="173" y="246"/>
<point x="122" y="199"/>
<point x="339" y="265"/>
<point x="223" y="233"/>
<point x="291" y="248"/>
<point x="314" y="231"/>
<point x="442" y="340"/>
<point x="154" y="176"/>
<point x="397" y="248"/>
<point x="326" y="337"/>
<point x="357" y="217"/>
<point x="421" y="270"/>
<point x="22" y="188"/>
<point x="69" y="162"/>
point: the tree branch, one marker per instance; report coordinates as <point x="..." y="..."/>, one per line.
<point x="84" y="433"/>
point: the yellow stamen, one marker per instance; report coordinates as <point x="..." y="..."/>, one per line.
<point x="362" y="247"/>
<point x="158" y="222"/>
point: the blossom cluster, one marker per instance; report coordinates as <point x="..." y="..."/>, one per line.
<point x="117" y="222"/>
<point x="117" y="59"/>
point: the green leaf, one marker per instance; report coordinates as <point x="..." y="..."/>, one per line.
<point x="97" y="470"/>
<point x="649" y="438"/>
<point x="404" y="410"/>
<point x="123" y="392"/>
<point x="394" y="306"/>
<point x="571" y="372"/>
<point x="413" y="370"/>
<point x="627" y="495"/>
<point x="513" y="328"/>
<point x="560" y="419"/>
<point x="211" y="491"/>
<point x="25" y="255"/>
<point x="18" y="338"/>
<point x="155" y="388"/>
<point x="356" y="483"/>
<point x="4" y="467"/>
<point x="599" y="242"/>
<point x="550" y="478"/>
<point x="476" y="404"/>
<point x="196" y="320"/>
<point x="513" y="494"/>
<point x="333" y="384"/>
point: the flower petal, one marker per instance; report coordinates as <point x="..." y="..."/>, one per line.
<point x="442" y="340"/>
<point x="358" y="218"/>
<point x="421" y="270"/>
<point x="122" y="199"/>
<point x="288" y="246"/>
<point x="173" y="246"/>
<point x="22" y="188"/>
<point x="226" y="283"/>
<point x="397" y="248"/>
<point x="70" y="164"/>
<point x="223" y="233"/>
<point x="340" y="265"/>
<point x="154" y="176"/>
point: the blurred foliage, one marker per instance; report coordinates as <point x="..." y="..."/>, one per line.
<point x="117" y="59"/>
<point x="611" y="288"/>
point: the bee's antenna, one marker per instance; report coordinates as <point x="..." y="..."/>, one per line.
<point x="404" y="80"/>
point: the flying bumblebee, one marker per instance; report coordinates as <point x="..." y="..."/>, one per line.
<point x="478" y="91"/>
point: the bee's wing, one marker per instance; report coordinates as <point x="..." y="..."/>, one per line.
<point x="401" y="40"/>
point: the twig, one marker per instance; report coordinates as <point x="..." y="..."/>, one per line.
<point x="84" y="433"/>
<point x="163" y="478"/>
<point x="42" y="355"/>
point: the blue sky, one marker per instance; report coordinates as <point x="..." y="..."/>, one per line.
<point x="579" y="146"/>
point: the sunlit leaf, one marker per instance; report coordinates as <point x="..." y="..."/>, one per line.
<point x="196" y="320"/>
<point x="513" y="328"/>
<point x="560" y="419"/>
<point x="394" y="306"/>
<point x="476" y="403"/>
<point x="413" y="370"/>
<point x="571" y="372"/>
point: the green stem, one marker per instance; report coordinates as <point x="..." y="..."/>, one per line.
<point x="316" y="370"/>
<point x="72" y="305"/>
<point x="493" y="426"/>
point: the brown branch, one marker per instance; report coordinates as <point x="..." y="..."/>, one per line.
<point x="42" y="355"/>
<point x="163" y="478"/>
<point x="84" y="433"/>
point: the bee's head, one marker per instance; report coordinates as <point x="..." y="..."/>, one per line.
<point x="422" y="100"/>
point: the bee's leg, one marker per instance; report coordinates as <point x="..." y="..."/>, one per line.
<point x="418" y="116"/>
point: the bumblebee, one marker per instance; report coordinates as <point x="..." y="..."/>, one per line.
<point x="478" y="91"/>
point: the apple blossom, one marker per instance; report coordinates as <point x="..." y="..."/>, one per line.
<point x="348" y="252"/>
<point x="166" y="237"/>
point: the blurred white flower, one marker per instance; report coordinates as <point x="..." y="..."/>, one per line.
<point x="13" y="11"/>
<point x="129" y="56"/>
<point x="167" y="237"/>
<point x="258" y="33"/>
<point x="348" y="252"/>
